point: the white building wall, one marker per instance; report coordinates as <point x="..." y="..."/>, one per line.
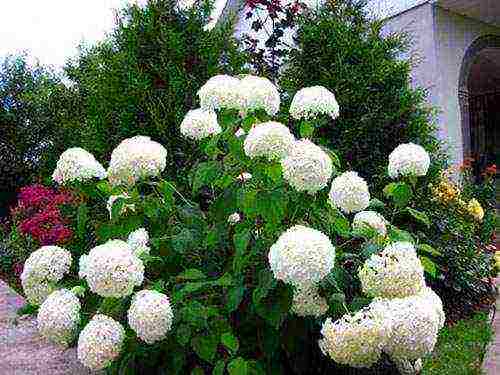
<point x="453" y="36"/>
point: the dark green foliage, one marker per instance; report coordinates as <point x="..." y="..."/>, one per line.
<point x="31" y="109"/>
<point x="144" y="78"/>
<point x="341" y="49"/>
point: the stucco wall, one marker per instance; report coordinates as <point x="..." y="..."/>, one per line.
<point x="453" y="35"/>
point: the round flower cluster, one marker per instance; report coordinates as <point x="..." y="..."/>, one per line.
<point x="42" y="269"/>
<point x="355" y="340"/>
<point x="349" y="192"/>
<point x="244" y="176"/>
<point x="394" y="273"/>
<point x="307" y="167"/>
<point x="112" y="270"/>
<point x="239" y="133"/>
<point x="312" y="101"/>
<point x="199" y="124"/>
<point x="301" y="256"/>
<point x="475" y="210"/>
<point x="307" y="301"/>
<point x="135" y="158"/>
<point x="126" y="207"/>
<point x="259" y="93"/>
<point x="268" y="139"/>
<point x="408" y="159"/>
<point x="58" y="317"/>
<point x="76" y="164"/>
<point x="150" y="315"/>
<point x="415" y="324"/>
<point x="370" y="219"/>
<point x="220" y="92"/>
<point x="138" y="241"/>
<point x="100" y="342"/>
<point x="234" y="218"/>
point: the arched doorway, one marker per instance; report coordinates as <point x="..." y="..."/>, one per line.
<point x="480" y="101"/>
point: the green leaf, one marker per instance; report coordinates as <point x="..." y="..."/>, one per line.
<point x="191" y="274"/>
<point x="273" y="171"/>
<point x="230" y="342"/>
<point x="429" y="249"/>
<point x="376" y="204"/>
<point x="399" y="192"/>
<point x="238" y="366"/>
<point x="224" y="280"/>
<point x="81" y="220"/>
<point x="168" y="190"/>
<point x="306" y="129"/>
<point x="219" y="368"/>
<point x="266" y="283"/>
<point x="183" y="334"/>
<point x="396" y="235"/>
<point x="420" y="216"/>
<point x="184" y="240"/>
<point x="235" y="295"/>
<point x="197" y="371"/>
<point x="429" y="266"/>
<point x="241" y="240"/>
<point x="205" y="346"/>
<point x="341" y="225"/>
<point x="205" y="174"/>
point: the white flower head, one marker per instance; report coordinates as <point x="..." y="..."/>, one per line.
<point x="234" y="218"/>
<point x="356" y="340"/>
<point x="113" y="198"/>
<point x="100" y="342"/>
<point x="259" y="93"/>
<point x="271" y="139"/>
<point x="200" y="123"/>
<point x="134" y="159"/>
<point x="239" y="133"/>
<point x="112" y="269"/>
<point x="244" y="176"/>
<point x="408" y="159"/>
<point x="138" y="241"/>
<point x="58" y="317"/>
<point x="150" y="315"/>
<point x="349" y="192"/>
<point x="394" y="273"/>
<point x="220" y="92"/>
<point x="308" y="302"/>
<point x="307" y="167"/>
<point x="370" y="219"/>
<point x="42" y="269"/>
<point x="301" y="256"/>
<point x="310" y="102"/>
<point x="77" y="165"/>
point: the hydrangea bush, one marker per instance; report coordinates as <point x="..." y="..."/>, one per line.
<point x="259" y="251"/>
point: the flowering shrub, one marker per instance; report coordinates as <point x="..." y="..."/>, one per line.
<point x="257" y="252"/>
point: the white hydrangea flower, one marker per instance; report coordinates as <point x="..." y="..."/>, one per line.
<point x="414" y="327"/>
<point x="100" y="342"/>
<point x="113" y="198"/>
<point x="349" y="192"/>
<point x="76" y="164"/>
<point x="356" y="340"/>
<point x="307" y="167"/>
<point x="234" y="218"/>
<point x="370" y="219"/>
<point x="271" y="139"/>
<point x="112" y="269"/>
<point x="42" y="269"/>
<point x="259" y="93"/>
<point x="394" y="273"/>
<point x="244" y="176"/>
<point x="220" y="92"/>
<point x="240" y="133"/>
<point x="58" y="317"/>
<point x="150" y="315"/>
<point x="429" y="297"/>
<point x="301" y="255"/>
<point x="136" y="158"/>
<point x="408" y="159"/>
<point x="138" y="241"/>
<point x="200" y="123"/>
<point x="307" y="301"/>
<point x="310" y="102"/>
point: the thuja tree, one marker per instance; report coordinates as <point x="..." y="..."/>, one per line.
<point x="266" y="263"/>
<point x="144" y="76"/>
<point x="341" y="48"/>
<point x="31" y="111"/>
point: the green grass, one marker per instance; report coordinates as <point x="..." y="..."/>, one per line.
<point x="460" y="349"/>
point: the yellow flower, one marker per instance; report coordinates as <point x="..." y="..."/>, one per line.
<point x="475" y="209"/>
